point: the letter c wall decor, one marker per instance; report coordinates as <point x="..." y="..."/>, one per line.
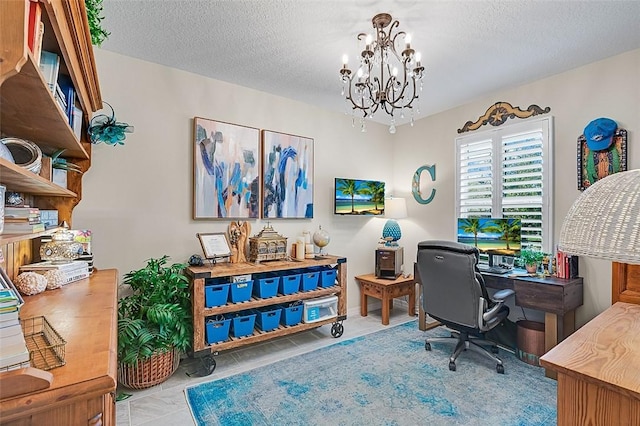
<point x="415" y="184"/>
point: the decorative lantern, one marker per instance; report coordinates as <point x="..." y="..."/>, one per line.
<point x="267" y="245"/>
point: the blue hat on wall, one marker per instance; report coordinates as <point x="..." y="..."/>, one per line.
<point x="599" y="133"/>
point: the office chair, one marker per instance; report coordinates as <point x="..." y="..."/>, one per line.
<point x="453" y="292"/>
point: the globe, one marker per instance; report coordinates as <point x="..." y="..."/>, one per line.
<point x="321" y="239"/>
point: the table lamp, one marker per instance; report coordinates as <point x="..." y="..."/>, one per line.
<point x="603" y="221"/>
<point x="394" y="208"/>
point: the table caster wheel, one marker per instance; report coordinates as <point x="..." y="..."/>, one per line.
<point x="427" y="346"/>
<point x="337" y="329"/>
<point x="500" y="368"/>
<point x="452" y="366"/>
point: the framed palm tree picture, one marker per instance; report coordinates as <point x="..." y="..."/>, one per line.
<point x="359" y="197"/>
<point x="287" y="176"/>
<point x="226" y="170"/>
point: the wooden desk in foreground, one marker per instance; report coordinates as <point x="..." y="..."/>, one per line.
<point x="598" y="370"/>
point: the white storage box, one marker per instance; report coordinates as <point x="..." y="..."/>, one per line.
<point x="320" y="309"/>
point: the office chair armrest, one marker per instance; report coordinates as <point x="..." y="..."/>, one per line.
<point x="499" y="296"/>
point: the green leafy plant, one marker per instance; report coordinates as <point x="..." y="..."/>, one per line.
<point x="531" y="257"/>
<point x="63" y="164"/>
<point x="94" y="12"/>
<point x="156" y="316"/>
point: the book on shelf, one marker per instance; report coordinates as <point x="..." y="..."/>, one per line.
<point x="8" y="298"/>
<point x="69" y="92"/>
<point x="49" y="66"/>
<point x="77" y="122"/>
<point x="76" y="275"/>
<point x="13" y="315"/>
<point x="47" y="265"/>
<point x="35" y="15"/>
<point x="10" y="329"/>
<point x="28" y="220"/>
<point x="22" y="228"/>
<point x="14" y="212"/>
<point x="38" y="43"/>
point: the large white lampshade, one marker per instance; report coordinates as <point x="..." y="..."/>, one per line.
<point x="604" y="222"/>
<point x="394" y="208"/>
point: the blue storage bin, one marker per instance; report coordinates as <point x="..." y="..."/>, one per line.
<point x="309" y="280"/>
<point x="241" y="292"/>
<point x="289" y="284"/>
<point x="291" y="314"/>
<point x="268" y="318"/>
<point x="328" y="277"/>
<point x="216" y="295"/>
<point x="242" y="324"/>
<point x="266" y="287"/>
<point x="217" y="330"/>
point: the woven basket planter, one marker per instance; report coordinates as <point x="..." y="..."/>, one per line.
<point x="150" y="372"/>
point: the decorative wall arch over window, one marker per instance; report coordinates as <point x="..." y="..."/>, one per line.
<point x="498" y="113"/>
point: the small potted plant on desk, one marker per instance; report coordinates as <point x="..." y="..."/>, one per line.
<point x="531" y="259"/>
<point x="154" y="323"/>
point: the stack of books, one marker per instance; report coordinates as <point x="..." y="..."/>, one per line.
<point x="22" y="220"/>
<point x="13" y="348"/>
<point x="73" y="271"/>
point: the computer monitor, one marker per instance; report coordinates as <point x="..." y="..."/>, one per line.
<point x="492" y="236"/>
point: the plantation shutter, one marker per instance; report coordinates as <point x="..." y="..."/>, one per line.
<point x="507" y="172"/>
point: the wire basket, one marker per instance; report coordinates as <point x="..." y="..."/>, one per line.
<point x="46" y="346"/>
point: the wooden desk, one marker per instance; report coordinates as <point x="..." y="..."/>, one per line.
<point x="83" y="390"/>
<point x="386" y="290"/>
<point x="598" y="370"/>
<point x="558" y="298"/>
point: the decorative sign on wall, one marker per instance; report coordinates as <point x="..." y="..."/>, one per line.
<point x="602" y="151"/>
<point x="415" y="184"/>
<point x="498" y="113"/>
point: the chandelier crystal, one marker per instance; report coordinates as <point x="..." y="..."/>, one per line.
<point x="385" y="80"/>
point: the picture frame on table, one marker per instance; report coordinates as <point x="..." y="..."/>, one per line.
<point x="595" y="165"/>
<point x="215" y="245"/>
<point x="287" y="176"/>
<point x="226" y="170"/>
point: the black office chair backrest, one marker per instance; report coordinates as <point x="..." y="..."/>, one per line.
<point x="451" y="288"/>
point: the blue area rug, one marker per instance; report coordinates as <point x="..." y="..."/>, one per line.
<point x="384" y="378"/>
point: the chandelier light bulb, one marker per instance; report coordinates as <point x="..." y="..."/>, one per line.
<point x="368" y="40"/>
<point x="345" y="60"/>
<point x="394" y="72"/>
<point x="407" y="39"/>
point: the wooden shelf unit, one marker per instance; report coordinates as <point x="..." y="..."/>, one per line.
<point x="29" y="111"/>
<point x="200" y="274"/>
<point x="84" y="313"/>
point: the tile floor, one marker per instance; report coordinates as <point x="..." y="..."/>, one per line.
<point x="166" y="405"/>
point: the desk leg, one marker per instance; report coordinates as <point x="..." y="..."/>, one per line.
<point x="385" y="308"/>
<point x="556" y="329"/>
<point x="363" y="303"/>
<point x="412" y="302"/>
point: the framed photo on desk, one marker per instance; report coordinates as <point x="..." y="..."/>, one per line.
<point x="214" y="245"/>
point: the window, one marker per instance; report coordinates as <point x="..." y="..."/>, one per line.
<point x="507" y="172"/>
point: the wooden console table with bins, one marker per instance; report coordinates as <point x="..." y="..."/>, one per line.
<point x="242" y="303"/>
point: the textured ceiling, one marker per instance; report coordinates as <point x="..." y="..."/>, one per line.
<point x="294" y="48"/>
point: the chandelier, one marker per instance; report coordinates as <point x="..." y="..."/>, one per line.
<point x="385" y="80"/>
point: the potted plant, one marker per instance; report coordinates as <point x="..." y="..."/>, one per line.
<point x="531" y="259"/>
<point x="154" y="323"/>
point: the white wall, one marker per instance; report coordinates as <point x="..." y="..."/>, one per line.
<point x="609" y="88"/>
<point x="137" y="197"/>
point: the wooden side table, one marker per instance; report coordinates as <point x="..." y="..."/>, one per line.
<point x="386" y="290"/>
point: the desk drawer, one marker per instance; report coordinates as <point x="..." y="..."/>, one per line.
<point x="556" y="299"/>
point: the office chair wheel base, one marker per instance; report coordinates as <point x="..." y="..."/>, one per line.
<point x="500" y="368"/>
<point x="427" y="346"/>
<point x="452" y="366"/>
<point x="494" y="349"/>
<point x="337" y="329"/>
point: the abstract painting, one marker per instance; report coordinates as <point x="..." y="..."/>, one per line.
<point x="287" y="176"/>
<point x="226" y="170"/>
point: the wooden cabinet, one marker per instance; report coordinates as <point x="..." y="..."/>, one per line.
<point x="84" y="313"/>
<point x="199" y="276"/>
<point x="29" y="111"/>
